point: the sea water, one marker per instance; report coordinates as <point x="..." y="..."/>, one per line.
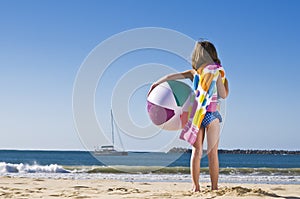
<point x="241" y="168"/>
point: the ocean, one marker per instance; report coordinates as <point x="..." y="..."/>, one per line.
<point x="239" y="168"/>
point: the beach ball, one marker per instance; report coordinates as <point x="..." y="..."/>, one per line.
<point x="169" y="105"/>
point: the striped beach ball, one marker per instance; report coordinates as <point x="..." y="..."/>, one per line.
<point x="169" y="104"/>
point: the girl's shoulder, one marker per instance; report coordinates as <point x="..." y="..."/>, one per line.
<point x="193" y="71"/>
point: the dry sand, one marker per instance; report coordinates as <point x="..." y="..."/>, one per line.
<point x="18" y="187"/>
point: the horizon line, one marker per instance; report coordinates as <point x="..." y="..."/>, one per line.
<point x="84" y="150"/>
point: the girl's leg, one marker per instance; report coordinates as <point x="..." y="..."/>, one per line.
<point x="213" y="132"/>
<point x="195" y="159"/>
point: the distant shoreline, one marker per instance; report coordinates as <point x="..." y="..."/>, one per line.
<point x="241" y="151"/>
<point x="274" y="152"/>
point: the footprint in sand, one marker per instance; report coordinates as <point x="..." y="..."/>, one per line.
<point x="81" y="187"/>
<point x="30" y="191"/>
<point x="81" y="197"/>
<point x="162" y="195"/>
<point x="38" y="180"/>
<point x="24" y="195"/>
<point x="56" y="195"/>
<point x="122" y="190"/>
<point x="19" y="183"/>
<point x="41" y="188"/>
<point x="278" y="189"/>
<point x="145" y="183"/>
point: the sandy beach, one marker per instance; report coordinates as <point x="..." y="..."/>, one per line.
<point x="21" y="187"/>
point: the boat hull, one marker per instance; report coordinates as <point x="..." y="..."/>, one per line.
<point x="110" y="153"/>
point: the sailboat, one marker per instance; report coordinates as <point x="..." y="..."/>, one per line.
<point x="109" y="150"/>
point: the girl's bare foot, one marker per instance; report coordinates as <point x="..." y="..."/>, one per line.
<point x="214" y="187"/>
<point x="196" y="189"/>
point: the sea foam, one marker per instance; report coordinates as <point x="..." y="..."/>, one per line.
<point x="34" y="168"/>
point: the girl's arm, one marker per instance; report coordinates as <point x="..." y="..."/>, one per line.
<point x="223" y="89"/>
<point x="183" y="75"/>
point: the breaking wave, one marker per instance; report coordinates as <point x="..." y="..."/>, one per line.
<point x="27" y="168"/>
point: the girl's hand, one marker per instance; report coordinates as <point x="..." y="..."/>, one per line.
<point x="222" y="88"/>
<point x="152" y="87"/>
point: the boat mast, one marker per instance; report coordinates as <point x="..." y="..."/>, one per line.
<point x="112" y="128"/>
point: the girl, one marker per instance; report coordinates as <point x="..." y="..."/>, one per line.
<point x="204" y="54"/>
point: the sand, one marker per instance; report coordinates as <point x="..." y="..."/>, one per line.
<point x="19" y="187"/>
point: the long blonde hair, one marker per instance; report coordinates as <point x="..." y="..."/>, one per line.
<point x="204" y="53"/>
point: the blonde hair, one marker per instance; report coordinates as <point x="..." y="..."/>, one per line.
<point x="204" y="53"/>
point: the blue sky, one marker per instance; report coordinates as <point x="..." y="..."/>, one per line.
<point x="43" y="44"/>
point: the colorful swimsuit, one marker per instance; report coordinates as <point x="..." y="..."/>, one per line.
<point x="209" y="117"/>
